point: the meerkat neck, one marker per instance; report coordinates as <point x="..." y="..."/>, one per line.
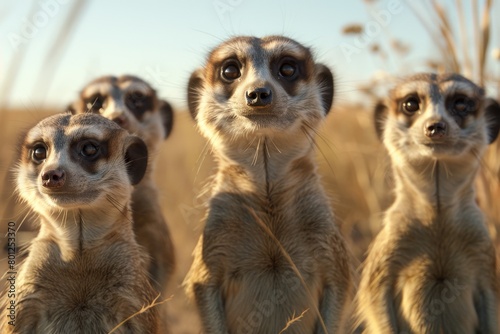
<point x="264" y="165"/>
<point x="435" y="187"/>
<point x="77" y="230"/>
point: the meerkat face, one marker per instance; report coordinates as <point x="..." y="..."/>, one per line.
<point x="131" y="103"/>
<point x="437" y="116"/>
<point x="255" y="85"/>
<point x="80" y="161"/>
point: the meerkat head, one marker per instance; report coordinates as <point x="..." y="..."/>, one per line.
<point x="259" y="86"/>
<point x="130" y="102"/>
<point x="437" y="116"/>
<point x="79" y="162"/>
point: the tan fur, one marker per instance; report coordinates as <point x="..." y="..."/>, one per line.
<point x="431" y="269"/>
<point x="152" y="126"/>
<point x="270" y="249"/>
<point x="84" y="272"/>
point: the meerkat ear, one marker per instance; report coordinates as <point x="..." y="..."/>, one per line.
<point x="71" y="109"/>
<point x="379" y="118"/>
<point x="195" y="86"/>
<point x="324" y="78"/>
<point x="136" y="158"/>
<point x="167" y="116"/>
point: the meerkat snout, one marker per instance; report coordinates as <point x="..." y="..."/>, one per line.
<point x="435" y="129"/>
<point x="259" y="97"/>
<point x="53" y="178"/>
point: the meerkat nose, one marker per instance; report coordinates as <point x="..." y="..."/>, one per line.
<point x="120" y="120"/>
<point x="53" y="178"/>
<point x="259" y="97"/>
<point x="435" y="129"/>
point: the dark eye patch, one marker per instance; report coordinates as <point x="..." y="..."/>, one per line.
<point x="95" y="103"/>
<point x="288" y="68"/>
<point x="87" y="151"/>
<point x="138" y="103"/>
<point x="289" y="71"/>
<point x="461" y="105"/>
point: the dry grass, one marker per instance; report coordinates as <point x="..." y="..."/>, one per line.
<point x="353" y="163"/>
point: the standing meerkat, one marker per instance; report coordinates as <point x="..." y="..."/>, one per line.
<point x="133" y="104"/>
<point x="270" y="250"/>
<point x="431" y="269"/>
<point x="84" y="272"/>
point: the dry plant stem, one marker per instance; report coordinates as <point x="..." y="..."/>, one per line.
<point x="446" y="31"/>
<point x="467" y="68"/>
<point x="142" y="310"/>
<point x="293" y="320"/>
<point x="484" y="39"/>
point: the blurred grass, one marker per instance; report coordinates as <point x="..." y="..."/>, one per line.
<point x="352" y="162"/>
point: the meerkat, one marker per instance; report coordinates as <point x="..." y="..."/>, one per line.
<point x="134" y="105"/>
<point x="431" y="269"/>
<point x="270" y="251"/>
<point x="84" y="272"/>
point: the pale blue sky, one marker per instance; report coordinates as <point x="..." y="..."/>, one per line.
<point x="163" y="41"/>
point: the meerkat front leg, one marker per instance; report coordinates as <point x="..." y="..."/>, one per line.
<point x="209" y="300"/>
<point x="382" y="315"/>
<point x="486" y="308"/>
<point x="376" y="293"/>
<point x="330" y="312"/>
<point x="204" y="288"/>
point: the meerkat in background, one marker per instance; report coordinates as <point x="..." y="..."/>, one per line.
<point x="431" y="269"/>
<point x="270" y="250"/>
<point x="133" y="104"/>
<point x="84" y="272"/>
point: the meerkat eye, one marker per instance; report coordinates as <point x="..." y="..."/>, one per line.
<point x="89" y="149"/>
<point x="39" y="153"/>
<point x="288" y="70"/>
<point x="462" y="104"/>
<point x="95" y="103"/>
<point x="411" y="105"/>
<point x="138" y="103"/>
<point x="230" y="71"/>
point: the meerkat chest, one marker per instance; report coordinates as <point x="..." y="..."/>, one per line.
<point x="441" y="263"/>
<point x="272" y="261"/>
<point x="257" y="241"/>
<point x="271" y="274"/>
<point x="89" y="291"/>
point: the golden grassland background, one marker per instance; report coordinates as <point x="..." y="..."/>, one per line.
<point x="352" y="162"/>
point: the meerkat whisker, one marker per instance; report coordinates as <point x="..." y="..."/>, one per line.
<point x="256" y="154"/>
<point x="275" y="146"/>
<point x="250" y="145"/>
<point x="313" y="143"/>
<point x="201" y="158"/>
